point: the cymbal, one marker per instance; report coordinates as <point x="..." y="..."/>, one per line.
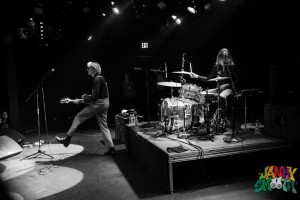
<point x="169" y="84"/>
<point x="218" y="79"/>
<point x="181" y="72"/>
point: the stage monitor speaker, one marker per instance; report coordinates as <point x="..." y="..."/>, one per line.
<point x="282" y="121"/>
<point x="15" y="135"/>
<point x="8" y="147"/>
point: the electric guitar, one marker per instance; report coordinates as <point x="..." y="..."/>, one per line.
<point x="68" y="100"/>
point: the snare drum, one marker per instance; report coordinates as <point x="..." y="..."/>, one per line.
<point x="191" y="91"/>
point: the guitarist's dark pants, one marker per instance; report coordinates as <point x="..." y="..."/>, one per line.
<point x="98" y="109"/>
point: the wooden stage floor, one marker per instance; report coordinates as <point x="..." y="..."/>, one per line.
<point x="156" y="156"/>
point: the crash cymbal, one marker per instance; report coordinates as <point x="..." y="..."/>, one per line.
<point x="218" y="79"/>
<point x="169" y="84"/>
<point x="181" y="72"/>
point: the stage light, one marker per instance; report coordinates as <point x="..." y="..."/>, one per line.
<point x="174" y="17"/>
<point x="31" y="24"/>
<point x="192" y="7"/>
<point x="116" y="10"/>
<point x="178" y="21"/>
<point x="192" y="10"/>
<point x="103" y="14"/>
<point x="90" y="37"/>
<point x="161" y="5"/>
<point x="207" y="6"/>
<point x="38" y="9"/>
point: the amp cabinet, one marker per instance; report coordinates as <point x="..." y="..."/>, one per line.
<point x="282" y="121"/>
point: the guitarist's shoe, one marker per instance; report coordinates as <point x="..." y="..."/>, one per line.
<point x="111" y="152"/>
<point x="64" y="141"/>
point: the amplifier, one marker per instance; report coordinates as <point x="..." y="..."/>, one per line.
<point x="282" y="121"/>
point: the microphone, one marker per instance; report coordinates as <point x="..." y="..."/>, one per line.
<point x="46" y="74"/>
<point x="50" y="71"/>
<point x="166" y="70"/>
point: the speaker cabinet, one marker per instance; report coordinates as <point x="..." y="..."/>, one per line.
<point x="8" y="147"/>
<point x="15" y="135"/>
<point x="282" y="121"/>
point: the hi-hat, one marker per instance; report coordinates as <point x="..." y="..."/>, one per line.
<point x="169" y="84"/>
<point x="218" y="79"/>
<point x="210" y="91"/>
<point x="181" y="72"/>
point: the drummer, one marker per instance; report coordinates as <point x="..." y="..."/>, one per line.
<point x="224" y="67"/>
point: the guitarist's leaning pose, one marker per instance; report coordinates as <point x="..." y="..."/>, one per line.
<point x="97" y="105"/>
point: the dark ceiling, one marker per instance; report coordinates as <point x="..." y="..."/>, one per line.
<point x="258" y="33"/>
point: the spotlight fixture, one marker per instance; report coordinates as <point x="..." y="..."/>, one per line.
<point x="116" y="10"/>
<point x="161" y="5"/>
<point x="207" y="6"/>
<point x="38" y="9"/>
<point x="192" y="7"/>
<point x="192" y="10"/>
<point x="86" y="8"/>
<point x="178" y="21"/>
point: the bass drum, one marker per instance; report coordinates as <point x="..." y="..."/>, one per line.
<point x="173" y="111"/>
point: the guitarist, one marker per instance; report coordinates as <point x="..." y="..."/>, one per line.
<point x="97" y="105"/>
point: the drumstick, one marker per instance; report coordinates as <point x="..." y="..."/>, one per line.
<point x="191" y="67"/>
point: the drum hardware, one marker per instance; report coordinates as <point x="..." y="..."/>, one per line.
<point x="206" y="123"/>
<point x="245" y="94"/>
<point x="216" y="120"/>
<point x="165" y="131"/>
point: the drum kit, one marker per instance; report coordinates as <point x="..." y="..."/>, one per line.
<point x="189" y="111"/>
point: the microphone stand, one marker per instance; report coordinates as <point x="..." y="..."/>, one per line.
<point x="233" y="135"/>
<point x="36" y="91"/>
<point x="148" y="125"/>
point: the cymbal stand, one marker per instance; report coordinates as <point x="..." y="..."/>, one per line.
<point x="217" y="116"/>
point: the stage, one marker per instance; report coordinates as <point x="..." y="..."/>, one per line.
<point x="173" y="167"/>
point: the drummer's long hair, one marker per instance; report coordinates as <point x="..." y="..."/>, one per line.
<point x="224" y="57"/>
